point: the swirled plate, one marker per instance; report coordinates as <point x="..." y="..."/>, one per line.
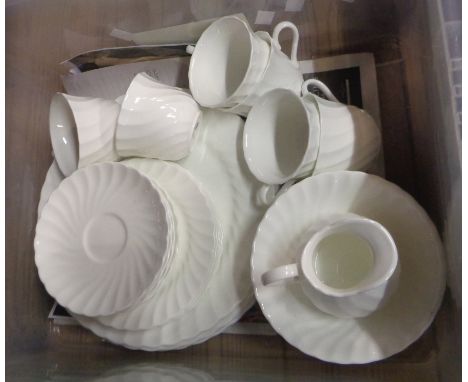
<point x="97" y="249"/>
<point x="409" y="311"/>
<point x="217" y="162"/>
<point x="52" y="180"/>
<point x="198" y="248"/>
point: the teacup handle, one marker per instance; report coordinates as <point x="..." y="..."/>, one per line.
<point x="282" y="273"/>
<point x="295" y="42"/>
<point x="268" y="193"/>
<point x="319" y="84"/>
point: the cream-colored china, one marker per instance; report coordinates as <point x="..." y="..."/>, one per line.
<point x="82" y="131"/>
<point x="216" y="161"/>
<point x="198" y="249"/>
<point x="287" y="137"/>
<point x="350" y="139"/>
<point x="53" y="178"/>
<point x="408" y="312"/>
<point x="102" y="239"/>
<point x="348" y="267"/>
<point x="156" y="120"/>
<point x="52" y="181"/>
<point x="227" y="62"/>
<point x="281" y="137"/>
<point x="281" y="71"/>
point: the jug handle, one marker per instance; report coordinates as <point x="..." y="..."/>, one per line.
<point x="287" y="24"/>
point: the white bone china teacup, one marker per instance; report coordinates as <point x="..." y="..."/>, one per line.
<point x="231" y="64"/>
<point x="226" y="62"/>
<point x="156" y="120"/>
<point x="348" y="268"/>
<point x="288" y="137"/>
<point x="82" y="131"/>
<point x="281" y="71"/>
<point x="281" y="140"/>
<point x="350" y="138"/>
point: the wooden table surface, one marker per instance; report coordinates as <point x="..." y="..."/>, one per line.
<point x="41" y="34"/>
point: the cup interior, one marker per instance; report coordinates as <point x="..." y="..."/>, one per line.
<point x="343" y="259"/>
<point x="220" y="61"/>
<point x="63" y="134"/>
<point x="350" y="256"/>
<point x="276" y="136"/>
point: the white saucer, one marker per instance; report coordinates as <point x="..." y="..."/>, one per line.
<point x="97" y="250"/>
<point x="53" y="178"/>
<point x="217" y="162"/>
<point x="195" y="218"/>
<point x="409" y="311"/>
<point x="199" y="241"/>
<point x="52" y="181"/>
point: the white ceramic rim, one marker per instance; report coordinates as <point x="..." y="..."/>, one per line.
<point x="51" y="182"/>
<point x="212" y="249"/>
<point x="167" y="216"/>
<point x="250" y="151"/>
<point x="213" y="313"/>
<point x="124" y="99"/>
<point x="59" y="100"/>
<point x="235" y="109"/>
<point x="334" y="227"/>
<point x="228" y="101"/>
<point x="291" y="332"/>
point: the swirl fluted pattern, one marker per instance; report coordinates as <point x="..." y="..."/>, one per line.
<point x="96" y="121"/>
<point x="217" y="162"/>
<point x="52" y="180"/>
<point x="198" y="249"/>
<point x="72" y="257"/>
<point x="409" y="311"/>
<point x="156" y="120"/>
<point x="350" y="138"/>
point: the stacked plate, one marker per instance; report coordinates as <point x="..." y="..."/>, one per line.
<point x="106" y="240"/>
<point x="105" y="236"/>
<point x="208" y="193"/>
